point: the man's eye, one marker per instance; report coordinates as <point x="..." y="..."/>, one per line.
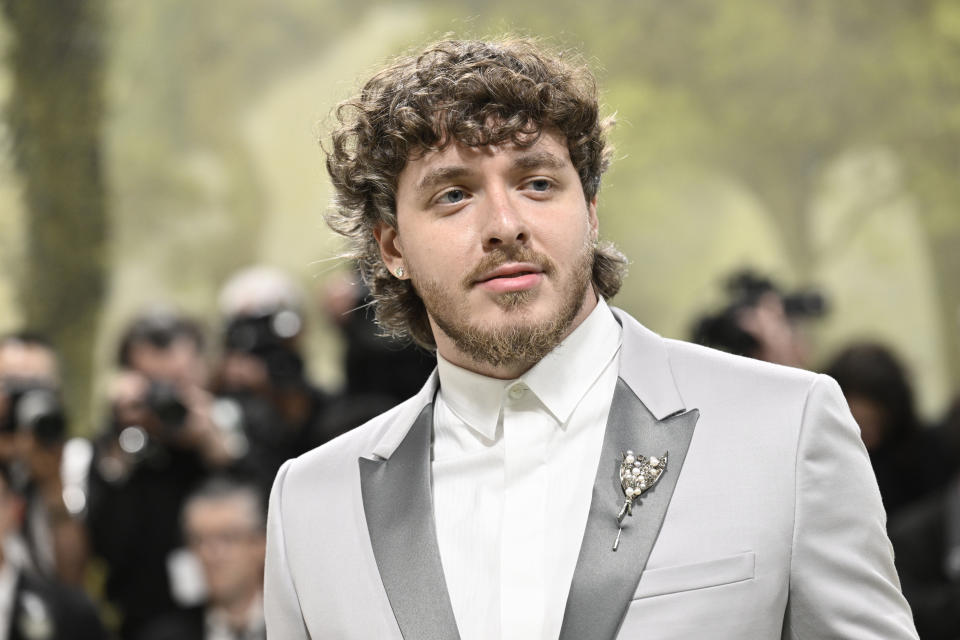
<point x="540" y="184"/>
<point x="453" y="196"/>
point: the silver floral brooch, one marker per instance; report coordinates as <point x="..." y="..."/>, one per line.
<point x="637" y="474"/>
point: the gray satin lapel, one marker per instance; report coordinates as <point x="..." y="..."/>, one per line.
<point x="399" y="509"/>
<point x="605" y="580"/>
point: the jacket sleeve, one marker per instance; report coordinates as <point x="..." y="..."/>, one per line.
<point x="281" y="604"/>
<point x="843" y="583"/>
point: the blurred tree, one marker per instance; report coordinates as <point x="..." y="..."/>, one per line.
<point x="55" y="113"/>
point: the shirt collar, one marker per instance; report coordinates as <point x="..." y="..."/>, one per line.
<point x="559" y="380"/>
<point x="564" y="375"/>
<point x="473" y="398"/>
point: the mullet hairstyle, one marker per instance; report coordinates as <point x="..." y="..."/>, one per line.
<point x="476" y="94"/>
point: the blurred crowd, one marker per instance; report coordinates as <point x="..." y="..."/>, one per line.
<point x="154" y="529"/>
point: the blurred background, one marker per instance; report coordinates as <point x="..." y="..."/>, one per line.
<point x="149" y="151"/>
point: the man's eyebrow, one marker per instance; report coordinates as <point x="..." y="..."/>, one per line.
<point x="523" y="162"/>
<point x="441" y="175"/>
<point x="538" y="160"/>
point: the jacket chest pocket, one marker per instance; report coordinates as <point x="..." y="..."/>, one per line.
<point x="699" y="575"/>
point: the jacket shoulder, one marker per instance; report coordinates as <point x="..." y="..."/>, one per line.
<point x="693" y="363"/>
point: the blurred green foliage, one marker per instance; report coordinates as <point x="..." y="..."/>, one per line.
<point x="816" y="139"/>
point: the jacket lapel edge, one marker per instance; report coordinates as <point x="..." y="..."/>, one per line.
<point x="398" y="506"/>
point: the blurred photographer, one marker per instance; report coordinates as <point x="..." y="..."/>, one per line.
<point x="160" y="442"/>
<point x="760" y="321"/>
<point x="380" y="371"/>
<point x="33" y="428"/>
<point x="878" y="388"/>
<point x="926" y="539"/>
<point x="224" y="525"/>
<point x="32" y="606"/>
<point x="261" y="379"/>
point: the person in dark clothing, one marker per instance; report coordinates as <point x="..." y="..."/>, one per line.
<point x="926" y="539"/>
<point x="33" y="607"/>
<point x="33" y="430"/>
<point x="909" y="461"/>
<point x="46" y="610"/>
<point x="926" y="542"/>
<point x="380" y="371"/>
<point x="761" y="321"/>
<point x="159" y="445"/>
<point x="261" y="379"/>
<point x="225" y="528"/>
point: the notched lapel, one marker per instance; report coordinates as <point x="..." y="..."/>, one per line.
<point x="604" y="580"/>
<point x="399" y="510"/>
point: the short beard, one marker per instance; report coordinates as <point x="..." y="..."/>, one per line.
<point x="519" y="345"/>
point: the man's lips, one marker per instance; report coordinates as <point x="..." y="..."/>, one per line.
<point x="511" y="277"/>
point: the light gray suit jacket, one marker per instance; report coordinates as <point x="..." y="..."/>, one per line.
<point x="766" y="524"/>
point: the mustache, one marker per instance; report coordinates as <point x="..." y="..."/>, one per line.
<point x="502" y="256"/>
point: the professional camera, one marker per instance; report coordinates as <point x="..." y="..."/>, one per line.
<point x="267" y="337"/>
<point x="35" y="406"/>
<point x="746" y="289"/>
<point x="164" y="402"/>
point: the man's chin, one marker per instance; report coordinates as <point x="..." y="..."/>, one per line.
<point x="517" y="302"/>
<point x="510" y="318"/>
<point x="514" y="338"/>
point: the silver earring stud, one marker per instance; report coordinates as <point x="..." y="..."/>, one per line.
<point x="399" y="272"/>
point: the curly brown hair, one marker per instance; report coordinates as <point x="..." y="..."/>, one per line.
<point x="475" y="93"/>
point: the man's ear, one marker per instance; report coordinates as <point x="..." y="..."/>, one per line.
<point x="389" y="242"/>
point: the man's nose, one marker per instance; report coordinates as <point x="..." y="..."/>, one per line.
<point x="505" y="223"/>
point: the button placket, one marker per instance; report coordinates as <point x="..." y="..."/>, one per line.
<point x="523" y="534"/>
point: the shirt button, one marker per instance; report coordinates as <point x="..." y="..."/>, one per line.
<point x="517" y="390"/>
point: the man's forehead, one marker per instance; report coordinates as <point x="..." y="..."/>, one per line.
<point x="548" y="150"/>
<point x="236" y="509"/>
<point x="27" y="360"/>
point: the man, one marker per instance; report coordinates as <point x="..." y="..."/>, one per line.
<point x="565" y="472"/>
<point x="33" y="607"/>
<point x="262" y="374"/>
<point x="161" y="442"/>
<point x="224" y="525"/>
<point x="33" y="427"/>
<point x="761" y="321"/>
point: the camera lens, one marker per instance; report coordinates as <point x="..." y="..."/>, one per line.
<point x="164" y="402"/>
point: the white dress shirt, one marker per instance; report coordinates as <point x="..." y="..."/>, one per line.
<point x="513" y="467"/>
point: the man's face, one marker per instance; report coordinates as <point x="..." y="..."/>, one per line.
<point x="498" y="242"/>
<point x="180" y="362"/>
<point x="224" y="536"/>
<point x="21" y="362"/>
<point x="28" y="360"/>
